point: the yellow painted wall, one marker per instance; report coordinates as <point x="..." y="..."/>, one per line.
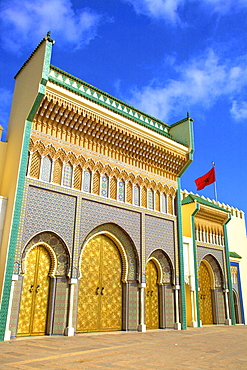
<point x="188" y="305"/>
<point x="26" y="89"/>
<point x="237" y="242"/>
<point x="187" y="210"/>
<point x="3" y="148"/>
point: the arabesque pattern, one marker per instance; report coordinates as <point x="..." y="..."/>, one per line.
<point x="205" y="298"/>
<point x="100" y="291"/>
<point x="152" y="296"/>
<point x="35" y="291"/>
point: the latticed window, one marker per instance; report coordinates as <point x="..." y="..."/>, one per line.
<point x="35" y="165"/>
<point x="170" y="205"/>
<point x="87" y="181"/>
<point x="136" y="195"/>
<point x="57" y="172"/>
<point x="234" y="274"/>
<point x="129" y="192"/>
<point x="121" y="191"/>
<point x="67" y="175"/>
<point x="163" y="203"/>
<point x="77" y="178"/>
<point x="144" y="197"/>
<point x="113" y="188"/>
<point x="96" y="182"/>
<point x="46" y="169"/>
<point x="157" y="201"/>
<point x="104" y="186"/>
<point x="150" y="199"/>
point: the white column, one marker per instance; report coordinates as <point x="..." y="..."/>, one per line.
<point x="142" y="325"/>
<point x="69" y="331"/>
<point x="7" y="334"/>
<point x="177" y="324"/>
<point x="193" y="309"/>
<point x="228" y="321"/>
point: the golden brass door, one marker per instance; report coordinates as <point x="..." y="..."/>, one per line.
<point x="100" y="291"/>
<point x="205" y="297"/>
<point x="152" y="296"/>
<point x="35" y="293"/>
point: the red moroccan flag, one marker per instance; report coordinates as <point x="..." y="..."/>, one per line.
<point x="206" y="179"/>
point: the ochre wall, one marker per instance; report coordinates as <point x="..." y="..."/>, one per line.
<point x="25" y="93"/>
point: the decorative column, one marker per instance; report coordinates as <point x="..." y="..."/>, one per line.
<point x="177" y="324"/>
<point x="7" y="334"/>
<point x="193" y="311"/>
<point x="142" y="325"/>
<point x="228" y="321"/>
<point x="70" y="331"/>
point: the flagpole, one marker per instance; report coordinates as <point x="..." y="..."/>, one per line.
<point x="215" y="189"/>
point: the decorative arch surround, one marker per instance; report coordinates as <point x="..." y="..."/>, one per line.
<point x="165" y="263"/>
<point x="126" y="248"/>
<point x="57" y="249"/>
<point x="159" y="269"/>
<point x="52" y="254"/>
<point x="237" y="307"/>
<point x="215" y="269"/>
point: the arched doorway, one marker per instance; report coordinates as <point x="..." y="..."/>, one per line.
<point x="236" y="306"/>
<point x="35" y="293"/>
<point x="152" y="296"/>
<point x="205" y="296"/>
<point x="100" y="290"/>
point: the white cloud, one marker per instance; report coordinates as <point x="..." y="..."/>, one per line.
<point x="239" y="110"/>
<point x="167" y="9"/>
<point x="199" y="83"/>
<point x="170" y="9"/>
<point x="25" y="22"/>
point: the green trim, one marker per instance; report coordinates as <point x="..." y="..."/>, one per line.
<point x="181" y="258"/>
<point x="229" y="278"/>
<point x="234" y="255"/>
<point x="194" y="198"/>
<point x="19" y="193"/>
<point x="14" y="231"/>
<point x="195" y="265"/>
<point x="98" y="96"/>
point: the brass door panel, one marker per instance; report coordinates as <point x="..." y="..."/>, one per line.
<point x="100" y="291"/>
<point x="205" y="297"/>
<point x="35" y="293"/>
<point x="88" y="300"/>
<point x="111" y="298"/>
<point x="152" y="296"/>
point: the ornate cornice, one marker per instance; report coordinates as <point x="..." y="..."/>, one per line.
<point x="76" y="124"/>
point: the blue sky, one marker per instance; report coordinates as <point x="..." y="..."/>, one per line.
<point x="165" y="57"/>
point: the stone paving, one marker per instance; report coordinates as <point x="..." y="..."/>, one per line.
<point x="210" y="347"/>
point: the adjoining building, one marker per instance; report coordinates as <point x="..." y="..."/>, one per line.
<point x="91" y="219"/>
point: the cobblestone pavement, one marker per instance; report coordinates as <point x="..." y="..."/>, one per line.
<point x="210" y="347"/>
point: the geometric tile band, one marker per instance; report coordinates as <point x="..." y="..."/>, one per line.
<point x="48" y="210"/>
<point x="95" y="214"/>
<point x="202" y="251"/>
<point x="159" y="235"/>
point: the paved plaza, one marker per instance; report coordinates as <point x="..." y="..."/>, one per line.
<point x="210" y="347"/>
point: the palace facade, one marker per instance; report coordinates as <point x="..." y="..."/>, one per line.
<point x="94" y="236"/>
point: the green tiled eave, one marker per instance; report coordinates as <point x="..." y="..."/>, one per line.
<point x="95" y="95"/>
<point x="194" y="198"/>
<point x="234" y="255"/>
